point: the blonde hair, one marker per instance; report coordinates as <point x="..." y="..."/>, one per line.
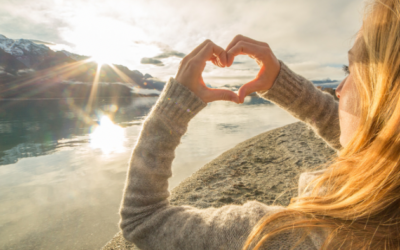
<point x="357" y="200"/>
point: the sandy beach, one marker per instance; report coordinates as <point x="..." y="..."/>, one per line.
<point x="265" y="168"/>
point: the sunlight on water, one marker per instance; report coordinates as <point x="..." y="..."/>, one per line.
<point x="55" y="165"/>
<point x="108" y="137"/>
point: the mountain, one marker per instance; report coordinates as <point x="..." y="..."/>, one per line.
<point x="29" y="69"/>
<point x="9" y="63"/>
<point x="327" y="80"/>
<point x="74" y="56"/>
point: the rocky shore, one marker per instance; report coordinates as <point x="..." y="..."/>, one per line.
<point x="263" y="168"/>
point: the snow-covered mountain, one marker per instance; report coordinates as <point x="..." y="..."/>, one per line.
<point x="23" y="60"/>
<point x="28" y="52"/>
<point x="20" y="47"/>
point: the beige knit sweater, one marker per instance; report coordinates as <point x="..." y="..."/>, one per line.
<point x="150" y="222"/>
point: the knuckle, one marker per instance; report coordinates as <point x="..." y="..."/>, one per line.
<point x="266" y="51"/>
<point x="184" y="60"/>
<point x="265" y="44"/>
<point x="241" y="43"/>
<point x="209" y="45"/>
<point x="194" y="63"/>
<point x="207" y="41"/>
<point x="239" y="36"/>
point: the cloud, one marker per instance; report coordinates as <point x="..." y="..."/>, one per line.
<point x="316" y="71"/>
<point x="162" y="46"/>
<point x="29" y="20"/>
<point x="299" y="32"/>
<point x="43" y="42"/>
<point x="153" y="61"/>
<point x="170" y="54"/>
<point x="166" y="54"/>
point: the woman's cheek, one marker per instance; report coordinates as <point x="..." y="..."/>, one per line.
<point x="349" y="113"/>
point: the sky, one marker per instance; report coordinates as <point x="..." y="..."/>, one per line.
<point x="311" y="36"/>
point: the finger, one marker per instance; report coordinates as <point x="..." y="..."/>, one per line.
<point x="238" y="38"/>
<point x="223" y="58"/>
<point x="215" y="60"/>
<point x="245" y="48"/>
<point x="247" y="89"/>
<point x="210" y="50"/>
<point x="222" y="95"/>
<point x="197" y="49"/>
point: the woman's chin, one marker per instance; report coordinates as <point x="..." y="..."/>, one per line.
<point x="342" y="142"/>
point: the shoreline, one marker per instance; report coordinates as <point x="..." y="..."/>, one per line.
<point x="73" y="98"/>
<point x="265" y="168"/>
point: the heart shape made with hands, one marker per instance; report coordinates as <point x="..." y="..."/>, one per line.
<point x="192" y="66"/>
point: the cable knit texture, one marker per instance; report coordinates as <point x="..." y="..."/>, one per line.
<point x="147" y="218"/>
<point x="304" y="101"/>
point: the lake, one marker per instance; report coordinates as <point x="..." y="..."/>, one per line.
<point x="63" y="166"/>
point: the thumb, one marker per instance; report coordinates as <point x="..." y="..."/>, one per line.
<point x="247" y="89"/>
<point x="223" y="95"/>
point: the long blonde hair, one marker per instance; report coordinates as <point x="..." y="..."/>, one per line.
<point x="357" y="200"/>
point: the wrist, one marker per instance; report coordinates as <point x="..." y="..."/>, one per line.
<point x="274" y="74"/>
<point x="178" y="103"/>
<point x="286" y="88"/>
<point x="272" y="78"/>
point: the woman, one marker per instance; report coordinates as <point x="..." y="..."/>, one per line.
<point x="353" y="204"/>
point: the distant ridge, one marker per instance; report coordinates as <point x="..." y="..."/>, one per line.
<point x="324" y="81"/>
<point x="29" y="64"/>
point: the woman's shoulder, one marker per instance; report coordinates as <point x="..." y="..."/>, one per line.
<point x="305" y="179"/>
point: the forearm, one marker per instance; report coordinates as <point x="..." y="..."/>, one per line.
<point x="146" y="188"/>
<point x="304" y="101"/>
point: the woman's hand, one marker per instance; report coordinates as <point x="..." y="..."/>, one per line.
<point x="262" y="53"/>
<point x="191" y="69"/>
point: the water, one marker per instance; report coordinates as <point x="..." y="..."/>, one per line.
<point x="63" y="166"/>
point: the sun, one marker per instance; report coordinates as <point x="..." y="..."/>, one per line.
<point x="102" y="60"/>
<point x="105" y="40"/>
<point x="109" y="40"/>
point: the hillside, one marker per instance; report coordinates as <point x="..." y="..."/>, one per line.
<point x="31" y="70"/>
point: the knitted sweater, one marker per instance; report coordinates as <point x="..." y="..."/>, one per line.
<point x="147" y="218"/>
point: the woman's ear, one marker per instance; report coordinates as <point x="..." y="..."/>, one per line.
<point x="339" y="88"/>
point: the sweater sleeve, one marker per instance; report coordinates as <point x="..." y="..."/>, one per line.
<point x="304" y="101"/>
<point x="147" y="218"/>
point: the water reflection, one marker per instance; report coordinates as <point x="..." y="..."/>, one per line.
<point x="107" y="136"/>
<point x="34" y="128"/>
<point x="40" y="127"/>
